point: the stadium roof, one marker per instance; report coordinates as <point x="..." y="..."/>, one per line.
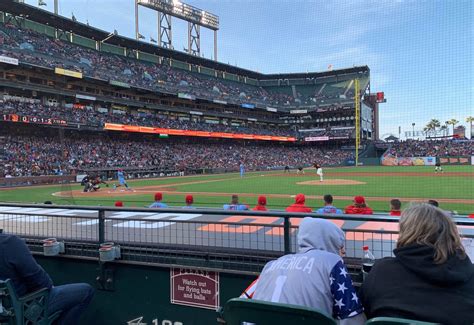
<point x="66" y="24"/>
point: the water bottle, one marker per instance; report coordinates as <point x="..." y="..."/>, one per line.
<point x="368" y="261"/>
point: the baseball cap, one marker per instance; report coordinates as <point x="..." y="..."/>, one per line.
<point x="359" y="199"/>
<point x="119" y="204"/>
<point x="158" y="196"/>
<point x="262" y="200"/>
<point x="189" y="199"/>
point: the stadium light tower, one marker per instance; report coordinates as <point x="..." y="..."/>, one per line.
<point x="195" y="17"/>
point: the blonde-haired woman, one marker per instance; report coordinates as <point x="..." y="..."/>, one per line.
<point x="430" y="278"/>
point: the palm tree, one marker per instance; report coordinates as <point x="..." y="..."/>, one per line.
<point x="470" y="120"/>
<point x="432" y="126"/>
<point x="443" y="128"/>
<point x="452" y="122"/>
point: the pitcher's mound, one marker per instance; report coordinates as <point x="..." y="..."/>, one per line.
<point x="332" y="182"/>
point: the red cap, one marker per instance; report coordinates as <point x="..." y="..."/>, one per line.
<point x="158" y="196"/>
<point x="365" y="248"/>
<point x="119" y="204"/>
<point x="359" y="199"/>
<point x="189" y="199"/>
<point x="300" y="199"/>
<point x="262" y="200"/>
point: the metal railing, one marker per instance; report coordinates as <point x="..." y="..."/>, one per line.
<point x="231" y="240"/>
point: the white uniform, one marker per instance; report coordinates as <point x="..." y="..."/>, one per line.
<point x="319" y="172"/>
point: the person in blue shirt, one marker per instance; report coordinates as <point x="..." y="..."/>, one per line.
<point x="121" y="180"/>
<point x="242" y="170"/>
<point x="18" y="265"/>
<point x="158" y="203"/>
<point x="235" y="205"/>
<point x="328" y="207"/>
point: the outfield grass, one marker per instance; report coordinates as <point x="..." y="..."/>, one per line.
<point x="380" y="186"/>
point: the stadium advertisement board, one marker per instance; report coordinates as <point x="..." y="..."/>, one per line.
<point x="454" y="161"/>
<point x="191" y="133"/>
<point x="472" y="160"/>
<point x="92" y="98"/>
<point x="218" y="101"/>
<point x="68" y="73"/>
<point x="8" y="60"/>
<point x="408" y="161"/>
<point x="309" y="139"/>
<point x="119" y="84"/>
<point x="32" y="119"/>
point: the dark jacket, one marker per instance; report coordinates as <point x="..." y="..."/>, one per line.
<point x="412" y="286"/>
<point x="17" y="264"/>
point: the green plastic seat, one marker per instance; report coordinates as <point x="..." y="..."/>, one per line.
<point x="249" y="311"/>
<point x="395" y="321"/>
<point x="27" y="310"/>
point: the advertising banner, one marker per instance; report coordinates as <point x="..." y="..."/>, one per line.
<point x="119" y="84"/>
<point x="429" y="161"/>
<point x="472" y="160"/>
<point x="191" y="133"/>
<point x="454" y="160"/>
<point x="79" y="96"/>
<point x="298" y="111"/>
<point x="408" y="161"/>
<point x="218" y="101"/>
<point x="68" y="73"/>
<point x="309" y="139"/>
<point x="8" y="60"/>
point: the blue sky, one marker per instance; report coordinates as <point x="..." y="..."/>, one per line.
<point x="420" y="52"/>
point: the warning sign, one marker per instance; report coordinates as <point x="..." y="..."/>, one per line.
<point x="196" y="288"/>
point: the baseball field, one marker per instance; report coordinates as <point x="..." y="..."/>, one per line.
<point x="454" y="189"/>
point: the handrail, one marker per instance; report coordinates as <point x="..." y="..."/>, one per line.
<point x="215" y="211"/>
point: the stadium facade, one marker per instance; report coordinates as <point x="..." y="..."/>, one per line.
<point x="60" y="73"/>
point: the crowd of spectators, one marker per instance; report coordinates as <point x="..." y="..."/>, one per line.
<point x="35" y="48"/>
<point x="92" y="117"/>
<point x="431" y="148"/>
<point x="43" y="155"/>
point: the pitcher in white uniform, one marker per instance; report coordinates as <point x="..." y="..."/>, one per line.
<point x="319" y="171"/>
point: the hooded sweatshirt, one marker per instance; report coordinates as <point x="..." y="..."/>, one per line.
<point x="298" y="206"/>
<point x="411" y="285"/>
<point x="352" y="209"/>
<point x="314" y="277"/>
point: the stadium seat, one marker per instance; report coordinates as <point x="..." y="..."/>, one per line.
<point x="29" y="309"/>
<point x="238" y="311"/>
<point x="395" y="321"/>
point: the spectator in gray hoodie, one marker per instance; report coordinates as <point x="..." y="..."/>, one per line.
<point x="315" y="277"/>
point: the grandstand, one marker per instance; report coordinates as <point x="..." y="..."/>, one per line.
<point x="79" y="102"/>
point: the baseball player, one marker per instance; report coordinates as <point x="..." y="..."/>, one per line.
<point x="121" y="180"/>
<point x="319" y="171"/>
<point x="242" y="170"/>
<point x="438" y="167"/>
